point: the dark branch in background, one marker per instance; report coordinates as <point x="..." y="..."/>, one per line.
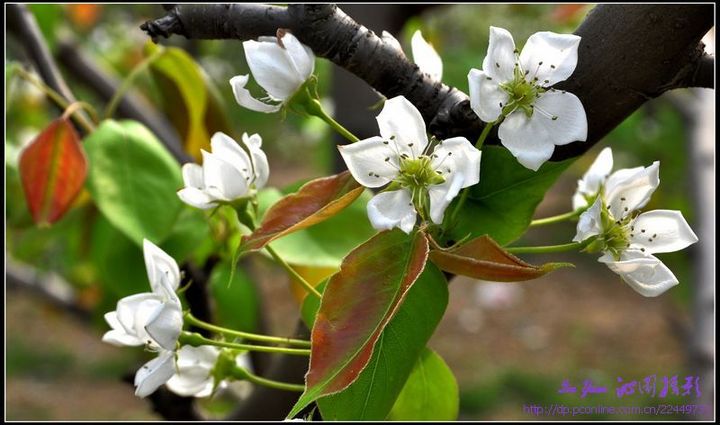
<point x="130" y="106"/>
<point x="629" y="54"/>
<point x="24" y="27"/>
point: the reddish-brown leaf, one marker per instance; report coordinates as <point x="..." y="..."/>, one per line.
<point x="53" y="168"/>
<point x="316" y="201"/>
<point x="482" y="258"/>
<point x="357" y="304"/>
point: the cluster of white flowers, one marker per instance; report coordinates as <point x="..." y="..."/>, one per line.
<point x="627" y="239"/>
<point x="155" y="320"/>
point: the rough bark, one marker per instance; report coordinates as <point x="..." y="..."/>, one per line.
<point x="629" y="54"/>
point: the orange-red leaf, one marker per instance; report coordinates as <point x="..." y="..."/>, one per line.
<point x="357" y="304"/>
<point x="53" y="168"/>
<point x="316" y="201"/>
<point x="482" y="258"/>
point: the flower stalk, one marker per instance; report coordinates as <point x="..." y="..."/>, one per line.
<point x="193" y="321"/>
<point x="196" y="340"/>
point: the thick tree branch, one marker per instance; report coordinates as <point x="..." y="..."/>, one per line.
<point x="130" y="106"/>
<point x="629" y="53"/>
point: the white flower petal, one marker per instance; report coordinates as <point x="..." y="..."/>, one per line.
<point x="192" y="175"/>
<point x="259" y="159"/>
<point x="229" y="182"/>
<point x="165" y="324"/>
<point x="400" y="119"/>
<point x="272" y="68"/>
<point x="632" y="192"/>
<point x="425" y="56"/>
<point x="532" y="140"/>
<point x="387" y="210"/>
<point x="118" y="335"/>
<point x="662" y="231"/>
<point x="486" y="96"/>
<point x="227" y="148"/>
<point x="578" y="201"/>
<point x="442" y="194"/>
<point x="127" y="312"/>
<point x="500" y="59"/>
<point x="595" y="176"/>
<point x="366" y="162"/>
<point x="160" y="265"/>
<point x="590" y="222"/>
<point x="571" y="123"/>
<point x="557" y="53"/>
<point x="246" y="100"/>
<point x="196" y="198"/>
<point x="194" y="365"/>
<point x="154" y="373"/>
<point x="301" y="56"/>
<point x="459" y="156"/>
<point x="527" y="139"/>
<point x="644" y="273"/>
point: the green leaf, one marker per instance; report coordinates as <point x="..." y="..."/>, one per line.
<point x="324" y="244"/>
<point x="502" y="204"/>
<point x="357" y="304"/>
<point x="373" y="394"/>
<point x="429" y="394"/>
<point x="483" y="258"/>
<point x="119" y="261"/>
<point x="316" y="201"/>
<point x="189" y="98"/>
<point x="189" y="234"/>
<point x="236" y="301"/>
<point x="133" y="180"/>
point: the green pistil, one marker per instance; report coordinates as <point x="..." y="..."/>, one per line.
<point x="522" y="94"/>
<point x="416" y="174"/>
<point x="615" y="238"/>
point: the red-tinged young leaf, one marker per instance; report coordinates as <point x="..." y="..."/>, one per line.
<point x="314" y="202"/>
<point x="482" y="258"/>
<point x="53" y="168"/>
<point x="357" y="304"/>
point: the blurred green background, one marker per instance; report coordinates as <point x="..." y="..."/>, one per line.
<point x="507" y="347"/>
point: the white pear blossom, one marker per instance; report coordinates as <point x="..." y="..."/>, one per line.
<point x="628" y="240"/>
<point x="426" y="57"/>
<point x="593" y="180"/>
<point x="150" y="318"/>
<point x="281" y="65"/>
<point x="153" y="319"/>
<point x="194" y="366"/>
<point x="228" y="173"/>
<point x="517" y="88"/>
<point x="425" y="176"/>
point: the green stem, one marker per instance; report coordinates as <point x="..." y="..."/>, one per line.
<point x="58" y="99"/>
<point x="484" y="134"/>
<point x="549" y="249"/>
<point x="314" y="107"/>
<point x="196" y="340"/>
<point x="243" y="374"/>
<point x="556" y="218"/>
<point x="127" y="83"/>
<point x="192" y="320"/>
<point x="292" y="272"/>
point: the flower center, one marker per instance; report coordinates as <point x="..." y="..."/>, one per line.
<point x="521" y="92"/>
<point x="615" y="237"/>
<point x="417" y="173"/>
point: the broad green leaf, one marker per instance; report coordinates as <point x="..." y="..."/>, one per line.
<point x="313" y="203"/>
<point x="373" y="394"/>
<point x="118" y="260"/>
<point x="324" y="244"/>
<point x="236" y="301"/>
<point x="190" y="231"/>
<point x="133" y="180"/>
<point x="189" y="99"/>
<point x="429" y="394"/>
<point x="52" y="168"/>
<point x="502" y="204"/>
<point x="356" y="306"/>
<point x="483" y="258"/>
